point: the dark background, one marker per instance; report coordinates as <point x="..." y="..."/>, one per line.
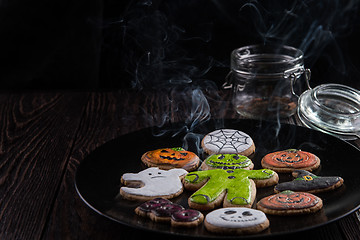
<point x="108" y="44"/>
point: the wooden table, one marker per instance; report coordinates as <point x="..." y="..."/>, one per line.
<point x="45" y="136"/>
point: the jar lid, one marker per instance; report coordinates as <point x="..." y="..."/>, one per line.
<point x="331" y="108"/>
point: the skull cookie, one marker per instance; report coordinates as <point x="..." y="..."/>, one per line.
<point x="236" y="221"/>
<point x="154" y="183"/>
<point x="290" y="160"/>
<point x="230" y="188"/>
<point x="227" y="161"/>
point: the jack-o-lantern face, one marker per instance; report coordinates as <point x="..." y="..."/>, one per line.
<point x="290" y="158"/>
<point x="289" y="200"/>
<point x="178" y="157"/>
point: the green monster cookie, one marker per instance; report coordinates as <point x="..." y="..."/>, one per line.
<point x="230" y="188"/>
<point x="227" y="161"/>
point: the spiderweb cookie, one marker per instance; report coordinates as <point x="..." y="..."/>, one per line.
<point x="229" y="141"/>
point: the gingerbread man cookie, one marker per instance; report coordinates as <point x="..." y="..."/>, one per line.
<point x="154" y="183"/>
<point x="228" y="141"/>
<point x="235" y="187"/>
<point x="308" y="182"/>
<point x="290" y="203"/>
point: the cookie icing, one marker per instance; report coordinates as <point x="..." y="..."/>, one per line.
<point x="228" y="161"/>
<point x="235" y="182"/>
<point x="161" y="207"/>
<point x="288" y="200"/>
<point x="156" y="182"/>
<point x="292" y="158"/>
<point x="236" y="217"/>
<point x="227" y="141"/>
<point x="176" y="157"/>
<point x="187" y="215"/>
<point x="167" y="210"/>
<point x="153" y="204"/>
<point x="306" y="181"/>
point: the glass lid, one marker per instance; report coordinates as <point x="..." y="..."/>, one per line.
<point x="331" y="108"/>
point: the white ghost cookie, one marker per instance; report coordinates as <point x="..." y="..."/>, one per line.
<point x="152" y="183"/>
<point x="228" y="141"/>
<point x="236" y="220"/>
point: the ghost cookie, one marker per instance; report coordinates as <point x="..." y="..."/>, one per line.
<point x="228" y="141"/>
<point x="290" y="203"/>
<point x="168" y="158"/>
<point x="152" y="183"/>
<point x="307" y="182"/>
<point x="229" y="188"/>
<point x="290" y="160"/>
<point x="236" y="221"/>
<point x="227" y="161"/>
<point x="163" y="210"/>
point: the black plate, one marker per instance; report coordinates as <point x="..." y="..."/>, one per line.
<point x="98" y="176"/>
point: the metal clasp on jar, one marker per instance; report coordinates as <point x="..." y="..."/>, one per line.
<point x="294" y="74"/>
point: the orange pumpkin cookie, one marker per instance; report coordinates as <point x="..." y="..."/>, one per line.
<point x="290" y="203"/>
<point x="168" y="158"/>
<point x="290" y="160"/>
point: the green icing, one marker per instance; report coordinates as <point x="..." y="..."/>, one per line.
<point x="228" y="161"/>
<point x="235" y="181"/>
<point x="177" y="149"/>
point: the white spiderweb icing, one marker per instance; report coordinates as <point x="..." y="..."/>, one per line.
<point x="227" y="141"/>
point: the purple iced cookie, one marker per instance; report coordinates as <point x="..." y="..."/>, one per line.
<point x="166" y="210"/>
<point x="153" y="204"/>
<point x="188" y="215"/>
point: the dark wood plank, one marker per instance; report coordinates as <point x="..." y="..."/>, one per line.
<point x="109" y="115"/>
<point x="37" y="132"/>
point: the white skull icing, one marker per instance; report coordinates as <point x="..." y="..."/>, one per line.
<point x="236" y="217"/>
<point x="156" y="182"/>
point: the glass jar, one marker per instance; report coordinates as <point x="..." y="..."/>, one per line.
<point x="331" y="108"/>
<point x="264" y="80"/>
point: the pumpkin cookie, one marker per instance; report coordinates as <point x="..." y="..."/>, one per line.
<point x="308" y="182"/>
<point x="168" y="158"/>
<point x="228" y="141"/>
<point x="229" y="188"/>
<point x="227" y="161"/>
<point x="290" y="203"/>
<point x="152" y="183"/>
<point x="236" y="221"/>
<point x="290" y="160"/>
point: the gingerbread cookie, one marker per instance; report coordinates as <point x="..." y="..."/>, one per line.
<point x="228" y="141"/>
<point x="290" y="203"/>
<point x="163" y="210"/>
<point x="227" y="161"/>
<point x="308" y="182"/>
<point x="236" y="221"/>
<point x="235" y="187"/>
<point x="154" y="183"/>
<point x="168" y="158"/>
<point x="289" y="160"/>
